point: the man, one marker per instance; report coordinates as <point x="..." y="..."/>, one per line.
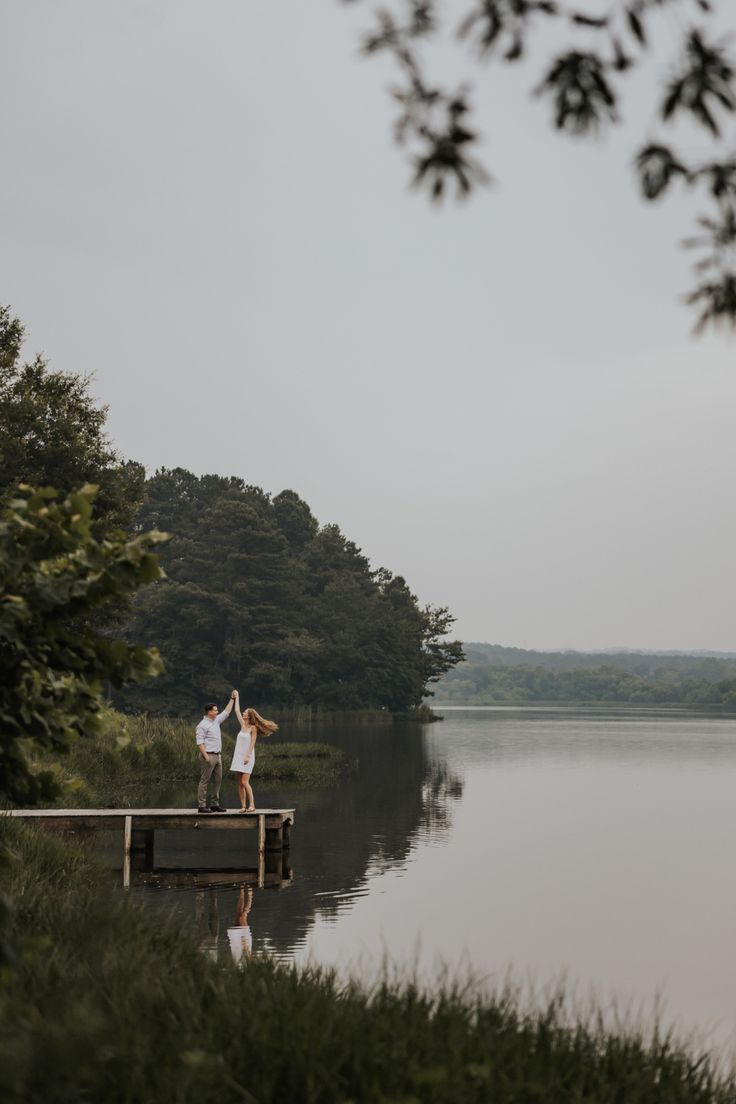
<point x="209" y="745"/>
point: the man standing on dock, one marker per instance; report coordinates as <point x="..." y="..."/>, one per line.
<point x="209" y="744"/>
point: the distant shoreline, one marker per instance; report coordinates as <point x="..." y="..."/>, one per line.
<point x="622" y="707"/>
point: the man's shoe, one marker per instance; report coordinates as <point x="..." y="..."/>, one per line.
<point x="203" y="809"/>
<point x="217" y="809"/>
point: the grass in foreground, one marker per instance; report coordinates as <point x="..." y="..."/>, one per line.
<point x="101" y="1004"/>
<point x="134" y="755"/>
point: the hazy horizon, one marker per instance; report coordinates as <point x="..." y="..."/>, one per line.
<point x="501" y="401"/>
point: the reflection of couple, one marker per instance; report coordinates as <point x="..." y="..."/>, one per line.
<point x="209" y="745"/>
<point x="241" y="939"/>
<point x="239" y="936"/>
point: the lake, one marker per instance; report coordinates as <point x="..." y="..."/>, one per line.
<point x="592" y="845"/>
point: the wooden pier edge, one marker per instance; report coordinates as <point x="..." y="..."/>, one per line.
<point x="139" y="827"/>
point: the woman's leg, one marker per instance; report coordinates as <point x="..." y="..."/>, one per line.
<point x="249" y="792"/>
<point x="241" y="789"/>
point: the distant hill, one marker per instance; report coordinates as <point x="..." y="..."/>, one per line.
<point x="492" y="673"/>
<point x="497" y="655"/>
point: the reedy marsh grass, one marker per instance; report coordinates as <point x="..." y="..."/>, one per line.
<point x="134" y="754"/>
<point x="101" y="1003"/>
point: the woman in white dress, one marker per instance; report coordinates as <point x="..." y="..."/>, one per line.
<point x="252" y="725"/>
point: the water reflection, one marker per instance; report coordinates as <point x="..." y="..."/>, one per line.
<point x="441" y="789"/>
<point x="394" y="796"/>
<point x="275" y="873"/>
<point x="208" y="920"/>
<point x="559" y="735"/>
<point x="595" y="844"/>
<point x="240" y="935"/>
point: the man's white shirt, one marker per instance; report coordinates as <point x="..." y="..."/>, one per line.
<point x="208" y="733"/>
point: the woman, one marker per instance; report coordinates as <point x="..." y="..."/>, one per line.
<point x="252" y="725"/>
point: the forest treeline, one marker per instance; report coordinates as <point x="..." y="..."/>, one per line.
<point x="493" y="674"/>
<point x="257" y="594"/>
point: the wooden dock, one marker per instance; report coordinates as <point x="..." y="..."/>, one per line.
<point x="140" y="825"/>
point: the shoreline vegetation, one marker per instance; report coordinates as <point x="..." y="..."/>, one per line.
<point x="131" y="756"/>
<point x="102" y="1002"/>
<point x="591" y="704"/>
<point x="494" y="675"/>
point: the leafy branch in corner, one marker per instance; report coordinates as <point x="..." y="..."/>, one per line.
<point x="583" y="83"/>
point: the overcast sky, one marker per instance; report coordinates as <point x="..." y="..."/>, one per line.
<point x="201" y="205"/>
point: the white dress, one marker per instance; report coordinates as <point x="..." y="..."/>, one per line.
<point x="239" y="763"/>
<point x="241" y="941"/>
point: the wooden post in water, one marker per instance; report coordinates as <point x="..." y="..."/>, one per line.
<point x="127" y="840"/>
<point x="261" y="851"/>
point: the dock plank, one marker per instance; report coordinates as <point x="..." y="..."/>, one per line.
<point x="143" y="812"/>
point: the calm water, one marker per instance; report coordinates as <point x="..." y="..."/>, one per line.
<point x="598" y="846"/>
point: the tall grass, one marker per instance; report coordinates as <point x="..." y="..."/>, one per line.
<point x="136" y="754"/>
<point x="101" y="1004"/>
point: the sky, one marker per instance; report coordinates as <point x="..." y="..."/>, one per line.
<point x="202" y="206"/>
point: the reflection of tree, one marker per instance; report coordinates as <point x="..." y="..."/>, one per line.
<point x="395" y="796"/>
<point x="440" y="790"/>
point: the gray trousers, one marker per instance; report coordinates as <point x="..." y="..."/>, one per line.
<point x="210" y="772"/>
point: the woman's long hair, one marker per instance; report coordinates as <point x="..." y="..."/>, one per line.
<point x="262" y="726"/>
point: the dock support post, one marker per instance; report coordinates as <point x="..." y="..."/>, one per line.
<point x="127" y="840"/>
<point x="286" y="834"/>
<point x="261" y="851"/>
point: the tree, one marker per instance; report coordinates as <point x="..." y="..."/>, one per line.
<point x="226" y="608"/>
<point x="582" y="84"/>
<point x="257" y="595"/>
<point x="53" y="433"/>
<point x="294" y="518"/>
<point x="54" y="574"/>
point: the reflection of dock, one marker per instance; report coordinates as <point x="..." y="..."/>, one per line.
<point x="198" y="879"/>
<point x="140" y="825"/>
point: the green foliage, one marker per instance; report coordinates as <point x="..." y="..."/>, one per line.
<point x="134" y="756"/>
<point x="52" y="434"/>
<point x="596" y="53"/>
<point x="259" y="597"/>
<point x="54" y="576"/>
<point x="491" y="674"/>
<point x="105" y="1006"/>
